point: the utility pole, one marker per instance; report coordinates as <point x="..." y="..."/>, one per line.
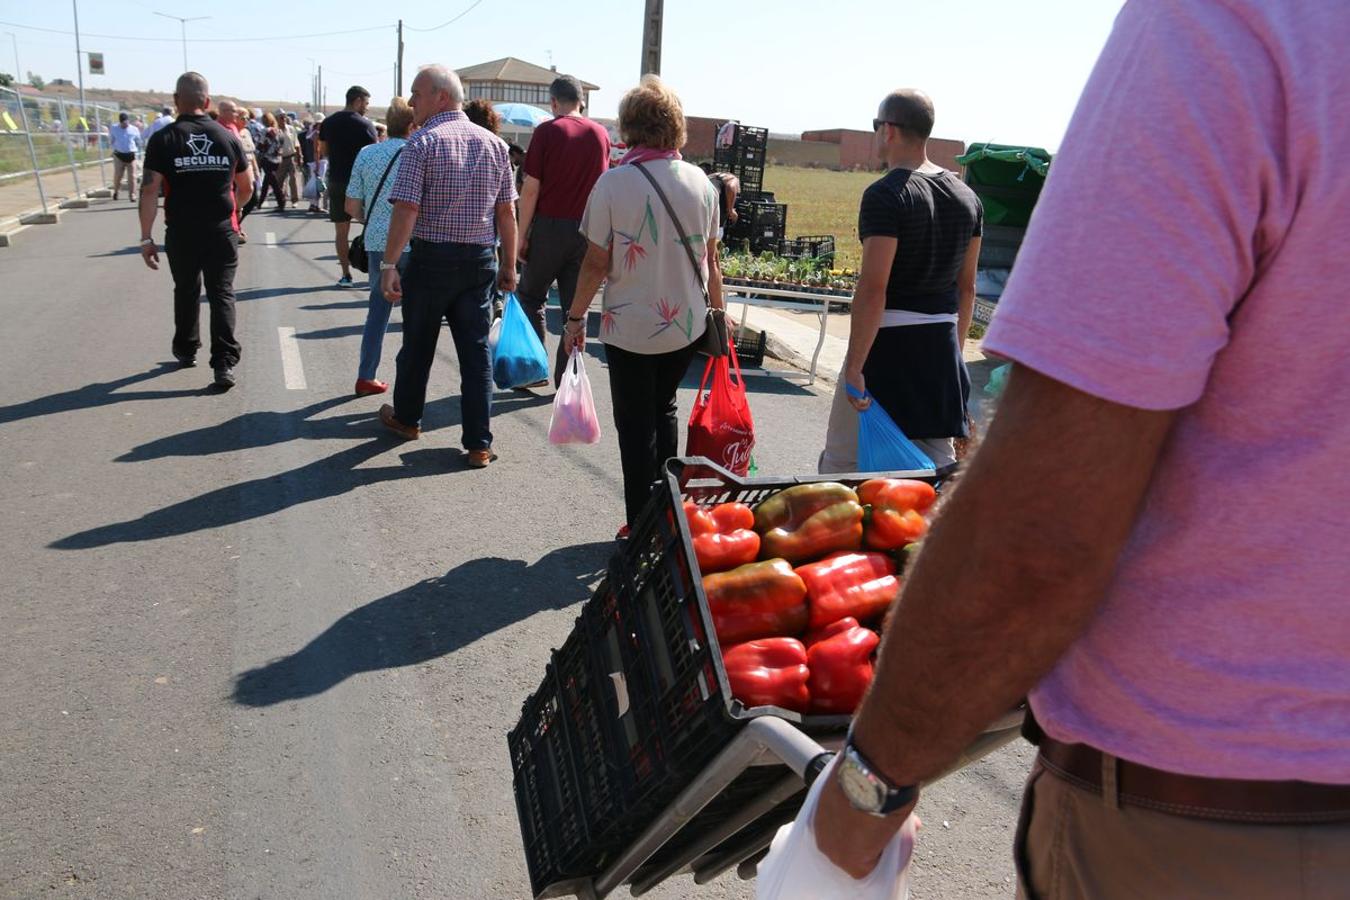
<point x="319" y="94"/>
<point x="79" y="57"/>
<point x="651" y="37"/>
<point x="183" y="22"/>
<point x="398" y="80"/>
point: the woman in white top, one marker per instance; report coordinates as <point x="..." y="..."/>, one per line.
<point x="654" y="311"/>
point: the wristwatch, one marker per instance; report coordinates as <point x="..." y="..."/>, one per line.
<point x="386" y="266"/>
<point x="147" y="241"/>
<point x="866" y="789"/>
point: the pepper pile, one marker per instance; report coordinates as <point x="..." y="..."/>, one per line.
<point x="794" y="583"/>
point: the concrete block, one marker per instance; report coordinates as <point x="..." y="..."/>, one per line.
<point x="100" y="193"/>
<point x="39" y="218"/>
<point x="75" y="203"/>
<point x="7" y="238"/>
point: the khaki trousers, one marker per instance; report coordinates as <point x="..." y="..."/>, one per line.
<point x="122" y="168"/>
<point x="1072" y="844"/>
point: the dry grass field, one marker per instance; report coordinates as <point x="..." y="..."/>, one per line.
<point x="822" y="202"/>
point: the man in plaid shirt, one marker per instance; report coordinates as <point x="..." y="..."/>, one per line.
<point x="454" y="196"/>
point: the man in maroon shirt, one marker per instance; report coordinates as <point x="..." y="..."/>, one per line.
<point x="566" y="157"/>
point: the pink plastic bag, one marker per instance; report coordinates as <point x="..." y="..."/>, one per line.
<point x="574" y="420"/>
<point x="720" y="426"/>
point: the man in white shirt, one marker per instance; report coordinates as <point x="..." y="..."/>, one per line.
<point x="165" y="118"/>
<point x="126" y="140"/>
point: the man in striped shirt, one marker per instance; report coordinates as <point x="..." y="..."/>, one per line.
<point x="454" y="197"/>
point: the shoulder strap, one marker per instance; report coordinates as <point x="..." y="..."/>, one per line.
<point x="379" y="187"/>
<point x="679" y="229"/>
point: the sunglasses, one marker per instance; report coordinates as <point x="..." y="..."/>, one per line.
<point x="877" y="123"/>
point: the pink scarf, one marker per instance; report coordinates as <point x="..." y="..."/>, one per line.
<point x="646" y="154"/>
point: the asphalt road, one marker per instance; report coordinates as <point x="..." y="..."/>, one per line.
<point x="251" y="647"/>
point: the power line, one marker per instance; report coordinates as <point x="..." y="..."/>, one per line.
<point x="241" y="40"/>
<point x="451" y="22"/>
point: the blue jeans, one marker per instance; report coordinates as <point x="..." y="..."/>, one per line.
<point x="451" y="283"/>
<point x="377" y="317"/>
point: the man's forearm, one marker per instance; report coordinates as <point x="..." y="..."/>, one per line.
<point x="401" y="223"/>
<point x="149" y="207"/>
<point x="1011" y="574"/>
<point x="868" y="308"/>
<point x="506" y="229"/>
<point x="529" y="199"/>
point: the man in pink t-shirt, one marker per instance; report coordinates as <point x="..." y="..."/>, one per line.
<point x="1152" y="540"/>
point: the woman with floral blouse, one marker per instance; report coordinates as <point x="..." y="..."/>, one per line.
<point x="654" y="312"/>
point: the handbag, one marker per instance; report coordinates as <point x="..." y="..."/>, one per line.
<point x="357" y="254"/>
<point x="715" y="338"/>
<point x="720" y="425"/>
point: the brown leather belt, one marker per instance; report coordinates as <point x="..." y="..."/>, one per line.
<point x="1224" y="799"/>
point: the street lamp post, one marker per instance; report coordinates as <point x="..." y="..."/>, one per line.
<point x="183" y="22"/>
<point x="79" y="57"/>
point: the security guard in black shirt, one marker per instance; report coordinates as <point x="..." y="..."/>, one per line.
<point x="201" y="166"/>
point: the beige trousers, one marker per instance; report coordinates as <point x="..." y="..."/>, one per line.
<point x="1071" y="844"/>
<point x="128" y="169"/>
<point x="841" y="439"/>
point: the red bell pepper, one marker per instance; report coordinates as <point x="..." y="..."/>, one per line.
<point x="841" y="670"/>
<point x="731" y="517"/>
<point x="815" y="636"/>
<point x="700" y="519"/>
<point x="857" y="585"/>
<point x="722" y="536"/>
<point x="808" y="521"/>
<point x="769" y="672"/>
<point x="764" y="599"/>
<point x="895" y="511"/>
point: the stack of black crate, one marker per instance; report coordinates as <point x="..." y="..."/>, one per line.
<point x="761" y="223"/>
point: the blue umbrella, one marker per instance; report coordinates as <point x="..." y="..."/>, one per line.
<point x="522" y="114"/>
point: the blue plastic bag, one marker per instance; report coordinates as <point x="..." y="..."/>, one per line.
<point x="519" y="358"/>
<point x="882" y="446"/>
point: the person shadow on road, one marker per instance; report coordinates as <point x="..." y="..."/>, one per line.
<point x="427" y="620"/>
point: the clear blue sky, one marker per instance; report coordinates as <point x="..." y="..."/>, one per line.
<point x="997" y="70"/>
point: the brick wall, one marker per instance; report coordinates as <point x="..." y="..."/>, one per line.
<point x="814" y="154"/>
<point x="702" y="134"/>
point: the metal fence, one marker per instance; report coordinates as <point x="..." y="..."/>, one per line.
<point x="50" y="153"/>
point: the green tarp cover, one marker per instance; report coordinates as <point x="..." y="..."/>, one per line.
<point x="1007" y="179"/>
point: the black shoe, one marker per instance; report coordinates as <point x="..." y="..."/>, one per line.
<point x="185" y="362"/>
<point x="224" y="378"/>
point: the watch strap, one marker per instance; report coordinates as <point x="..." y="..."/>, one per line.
<point x="896" y="797"/>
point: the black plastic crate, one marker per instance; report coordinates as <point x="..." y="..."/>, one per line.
<point x="751" y="346"/>
<point x="766" y="214"/>
<point x="751" y="175"/>
<point x="750" y="136"/>
<point x="732" y="157"/>
<point x="808" y="247"/>
<point x="636" y="702"/>
<point x="570" y="795"/>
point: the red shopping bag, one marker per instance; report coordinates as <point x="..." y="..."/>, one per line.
<point x="720" y="426"/>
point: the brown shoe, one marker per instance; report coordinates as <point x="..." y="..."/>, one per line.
<point x="407" y="432"/>
<point x="479" y="459"/>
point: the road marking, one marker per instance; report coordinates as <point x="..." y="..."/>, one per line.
<point x="270" y="238"/>
<point x="291" y="366"/>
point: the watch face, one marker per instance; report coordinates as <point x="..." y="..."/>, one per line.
<point x="861" y="791"/>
